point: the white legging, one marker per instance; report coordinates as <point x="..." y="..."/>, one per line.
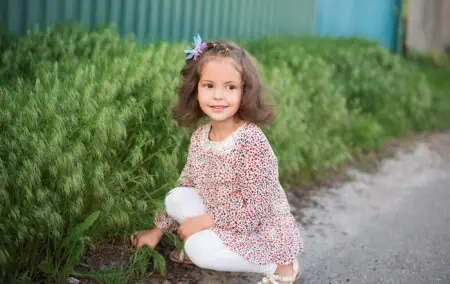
<point x="205" y="248"/>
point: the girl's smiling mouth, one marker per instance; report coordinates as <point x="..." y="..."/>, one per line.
<point x="218" y="108"/>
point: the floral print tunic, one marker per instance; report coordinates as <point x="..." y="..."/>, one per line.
<point x="237" y="180"/>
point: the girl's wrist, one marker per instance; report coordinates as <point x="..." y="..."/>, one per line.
<point x="159" y="231"/>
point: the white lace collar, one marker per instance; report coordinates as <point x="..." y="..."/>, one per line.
<point x="222" y="147"/>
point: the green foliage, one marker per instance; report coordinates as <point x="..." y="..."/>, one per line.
<point x="66" y="45"/>
<point x="436" y="60"/>
<point x="439" y="80"/>
<point x="335" y="96"/>
<point x="436" y="68"/>
<point x="378" y="83"/>
<point x="59" y="265"/>
<point x="86" y="127"/>
<point x="7" y="39"/>
<point x="372" y="80"/>
<point x="96" y="135"/>
<point x="311" y="112"/>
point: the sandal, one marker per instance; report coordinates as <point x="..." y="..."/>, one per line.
<point x="180" y="257"/>
<point x="274" y="278"/>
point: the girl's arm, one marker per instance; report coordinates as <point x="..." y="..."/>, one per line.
<point x="258" y="183"/>
<point x="194" y="225"/>
<point x="185" y="179"/>
<point x="164" y="221"/>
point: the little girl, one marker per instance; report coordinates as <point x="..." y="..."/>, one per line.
<point x="229" y="207"/>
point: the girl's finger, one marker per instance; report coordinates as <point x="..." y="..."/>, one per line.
<point x="134" y="239"/>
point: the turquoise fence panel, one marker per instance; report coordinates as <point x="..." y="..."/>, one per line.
<point x="373" y="19"/>
<point x="172" y="20"/>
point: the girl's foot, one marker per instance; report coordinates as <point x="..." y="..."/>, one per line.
<point x="149" y="238"/>
<point x="180" y="257"/>
<point x="283" y="275"/>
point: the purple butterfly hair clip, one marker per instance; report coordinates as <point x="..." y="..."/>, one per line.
<point x="199" y="46"/>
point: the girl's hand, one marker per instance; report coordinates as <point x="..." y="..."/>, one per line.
<point x="194" y="225"/>
<point x="149" y="238"/>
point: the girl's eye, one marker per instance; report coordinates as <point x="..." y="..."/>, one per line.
<point x="208" y="86"/>
<point x="231" y="87"/>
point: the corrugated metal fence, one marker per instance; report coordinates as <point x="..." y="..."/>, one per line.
<point x="153" y="20"/>
<point x="374" y="19"/>
<point x="174" y="20"/>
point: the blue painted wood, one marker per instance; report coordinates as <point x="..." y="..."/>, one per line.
<point x="373" y="19"/>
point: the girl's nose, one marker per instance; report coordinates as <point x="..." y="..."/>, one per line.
<point x="218" y="94"/>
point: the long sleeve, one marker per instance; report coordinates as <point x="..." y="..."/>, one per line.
<point x="186" y="179"/>
<point x="164" y="222"/>
<point x="258" y="187"/>
<point x="161" y="219"/>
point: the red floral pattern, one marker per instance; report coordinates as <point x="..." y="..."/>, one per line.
<point x="240" y="188"/>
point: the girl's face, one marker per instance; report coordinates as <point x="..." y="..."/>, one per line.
<point x="220" y="89"/>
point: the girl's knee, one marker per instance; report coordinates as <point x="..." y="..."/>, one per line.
<point x="173" y="199"/>
<point x="171" y="196"/>
<point x="195" y="249"/>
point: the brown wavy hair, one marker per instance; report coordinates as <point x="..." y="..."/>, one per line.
<point x="253" y="108"/>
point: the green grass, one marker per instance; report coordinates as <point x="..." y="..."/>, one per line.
<point x="436" y="68"/>
<point x="439" y="79"/>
